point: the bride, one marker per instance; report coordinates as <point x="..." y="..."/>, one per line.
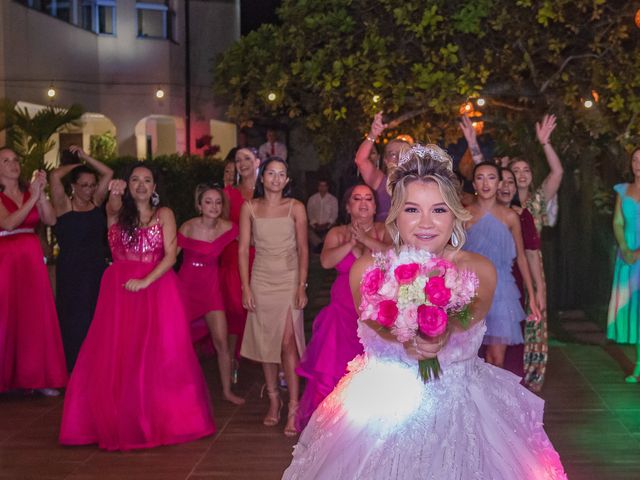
<point x="382" y="422"/>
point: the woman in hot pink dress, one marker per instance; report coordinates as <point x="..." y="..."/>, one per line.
<point x="247" y="163"/>
<point x="334" y="341"/>
<point x="137" y="382"/>
<point x="202" y="239"/>
<point x="31" y="353"/>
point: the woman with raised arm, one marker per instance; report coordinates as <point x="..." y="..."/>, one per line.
<point x="31" y="353"/>
<point x="372" y="175"/>
<point x="81" y="231"/>
<point x="137" y="382"/>
<point x="202" y="239"/>
<point x="383" y="420"/>
<point x="275" y="294"/>
<point x="494" y="231"/>
<point x="334" y="341"/>
<point x="623" y="322"/>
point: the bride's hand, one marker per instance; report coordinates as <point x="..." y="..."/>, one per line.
<point x="422" y="348"/>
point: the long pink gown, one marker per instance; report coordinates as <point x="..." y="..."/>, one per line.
<point x="137" y="382"/>
<point x="230" y="271"/>
<point x="199" y="276"/>
<point x="31" y="353"/>
<point x="334" y="343"/>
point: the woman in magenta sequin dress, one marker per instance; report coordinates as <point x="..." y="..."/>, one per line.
<point x="334" y="341"/>
<point x="202" y="239"/>
<point x="137" y="382"/>
<point x="31" y="353"/>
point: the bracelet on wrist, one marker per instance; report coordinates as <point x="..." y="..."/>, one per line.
<point x="303" y="284"/>
<point x="371" y="139"/>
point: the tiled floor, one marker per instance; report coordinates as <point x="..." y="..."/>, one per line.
<point x="592" y="418"/>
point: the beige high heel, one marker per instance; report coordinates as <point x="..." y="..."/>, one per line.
<point x="290" y="429"/>
<point x="274" y="396"/>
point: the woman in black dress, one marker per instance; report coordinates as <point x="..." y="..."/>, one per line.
<point x="81" y="232"/>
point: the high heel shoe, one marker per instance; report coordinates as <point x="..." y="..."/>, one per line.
<point x="632" y="379"/>
<point x="234" y="371"/>
<point x="274" y="397"/>
<point x="290" y="429"/>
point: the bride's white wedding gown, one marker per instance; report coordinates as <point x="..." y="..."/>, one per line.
<point x="382" y="422"/>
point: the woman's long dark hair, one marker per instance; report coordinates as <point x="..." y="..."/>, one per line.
<point x="129" y="216"/>
<point x="259" y="191"/>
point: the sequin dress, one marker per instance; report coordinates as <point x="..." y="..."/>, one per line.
<point x="137" y="382"/>
<point x="31" y="354"/>
<point x="383" y="423"/>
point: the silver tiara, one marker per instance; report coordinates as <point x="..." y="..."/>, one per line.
<point x="426" y="151"/>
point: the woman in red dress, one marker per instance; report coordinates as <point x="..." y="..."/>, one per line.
<point x="137" y="382"/>
<point x="247" y="163"/>
<point x="202" y="239"/>
<point x="31" y="353"/>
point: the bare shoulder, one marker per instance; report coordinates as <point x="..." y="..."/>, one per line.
<point x="166" y="214"/>
<point x="187" y="227"/>
<point x="509" y="215"/>
<point x="297" y="206"/>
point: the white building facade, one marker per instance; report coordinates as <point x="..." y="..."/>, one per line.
<point x="124" y="61"/>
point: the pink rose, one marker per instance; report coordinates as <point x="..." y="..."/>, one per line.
<point x="437" y="292"/>
<point x="387" y="313"/>
<point x="371" y="282"/>
<point x="432" y="321"/>
<point x="407" y="273"/>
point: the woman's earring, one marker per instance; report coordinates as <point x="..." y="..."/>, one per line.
<point x="155" y="199"/>
<point x="455" y="241"/>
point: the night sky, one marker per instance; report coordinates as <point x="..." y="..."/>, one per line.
<point x="254" y="13"/>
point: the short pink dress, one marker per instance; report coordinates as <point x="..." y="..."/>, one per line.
<point x="137" y="382"/>
<point x="199" y="278"/>
<point x="31" y="353"/>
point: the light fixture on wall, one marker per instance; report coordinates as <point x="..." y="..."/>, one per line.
<point x="159" y="93"/>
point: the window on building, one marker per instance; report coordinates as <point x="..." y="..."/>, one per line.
<point x="155" y="19"/>
<point x="99" y="16"/>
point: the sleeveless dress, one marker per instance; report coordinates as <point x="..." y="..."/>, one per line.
<point x="334" y="343"/>
<point x="82" y="237"/>
<point x="230" y="270"/>
<point x="623" y="320"/>
<point x="274" y="282"/>
<point x="492" y="239"/>
<point x="199" y="279"/>
<point x="383" y="201"/>
<point x="476" y="422"/>
<point x="137" y="382"/>
<point x="31" y="353"/>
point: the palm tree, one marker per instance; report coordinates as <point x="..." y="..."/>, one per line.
<point x="30" y="136"/>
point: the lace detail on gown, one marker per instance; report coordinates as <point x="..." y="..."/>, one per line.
<point x="383" y="422"/>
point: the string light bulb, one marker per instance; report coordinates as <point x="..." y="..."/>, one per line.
<point x="51" y="93"/>
<point x="376" y="98"/>
<point x="588" y="103"/>
<point x="159" y="94"/>
<point x="480" y="102"/>
<point x="272" y="97"/>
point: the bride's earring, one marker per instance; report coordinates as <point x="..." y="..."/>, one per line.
<point x="455" y="241"/>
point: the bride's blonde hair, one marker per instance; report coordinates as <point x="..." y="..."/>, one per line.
<point x="426" y="163"/>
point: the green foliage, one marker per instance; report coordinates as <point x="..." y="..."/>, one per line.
<point x="30" y="136"/>
<point x="326" y="60"/>
<point x="103" y="147"/>
<point x="179" y="176"/>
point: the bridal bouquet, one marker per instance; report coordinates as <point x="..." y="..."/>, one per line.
<point x="414" y="293"/>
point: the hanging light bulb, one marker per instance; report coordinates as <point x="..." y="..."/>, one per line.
<point x="480" y="102"/>
<point x="159" y="93"/>
<point x="588" y="103"/>
<point x="272" y="97"/>
<point x="51" y="93"/>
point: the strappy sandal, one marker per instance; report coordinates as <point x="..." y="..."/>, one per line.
<point x="290" y="429"/>
<point x="274" y="397"/>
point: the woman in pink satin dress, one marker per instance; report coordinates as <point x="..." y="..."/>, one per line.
<point x="31" y="353"/>
<point x="202" y="239"/>
<point x="137" y="382"/>
<point x="334" y="341"/>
